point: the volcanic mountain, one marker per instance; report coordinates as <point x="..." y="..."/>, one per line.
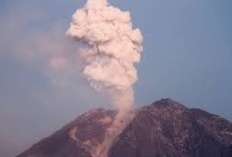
<point x="163" y="129"/>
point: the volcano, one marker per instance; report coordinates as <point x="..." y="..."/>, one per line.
<point x="163" y="129"/>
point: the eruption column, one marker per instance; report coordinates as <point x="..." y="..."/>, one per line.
<point x="110" y="47"/>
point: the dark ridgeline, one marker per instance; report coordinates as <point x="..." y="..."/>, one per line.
<point x="163" y="129"/>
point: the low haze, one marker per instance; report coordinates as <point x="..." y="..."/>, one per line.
<point x="187" y="56"/>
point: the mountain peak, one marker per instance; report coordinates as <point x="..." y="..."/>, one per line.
<point x="165" y="128"/>
<point x="168" y="103"/>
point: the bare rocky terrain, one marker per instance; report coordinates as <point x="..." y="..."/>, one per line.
<point x="162" y="129"/>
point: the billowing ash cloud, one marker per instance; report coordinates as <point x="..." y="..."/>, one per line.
<point x="110" y="48"/>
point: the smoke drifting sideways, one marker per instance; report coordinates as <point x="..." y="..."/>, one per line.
<point x="109" y="49"/>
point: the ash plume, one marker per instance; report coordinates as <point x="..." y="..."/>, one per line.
<point x="109" y="49"/>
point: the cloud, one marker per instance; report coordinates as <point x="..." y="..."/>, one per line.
<point x="26" y="38"/>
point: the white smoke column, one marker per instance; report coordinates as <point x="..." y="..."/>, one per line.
<point x="110" y="48"/>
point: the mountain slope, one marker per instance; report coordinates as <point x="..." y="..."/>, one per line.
<point x="163" y="129"/>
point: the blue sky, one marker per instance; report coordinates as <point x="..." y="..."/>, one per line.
<point x="187" y="57"/>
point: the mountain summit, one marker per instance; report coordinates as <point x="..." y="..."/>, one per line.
<point x="163" y="129"/>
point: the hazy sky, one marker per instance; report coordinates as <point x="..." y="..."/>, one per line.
<point x="187" y="57"/>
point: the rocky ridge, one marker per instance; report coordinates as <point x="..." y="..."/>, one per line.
<point x="163" y="129"/>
